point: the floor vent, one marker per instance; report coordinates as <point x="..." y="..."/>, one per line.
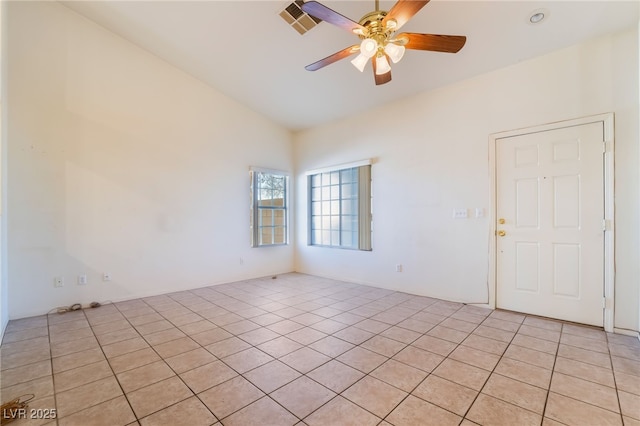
<point x="297" y="18"/>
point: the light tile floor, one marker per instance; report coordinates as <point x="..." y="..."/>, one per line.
<point x="306" y="350"/>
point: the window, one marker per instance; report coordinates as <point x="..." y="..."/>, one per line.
<point x="269" y="208"/>
<point x="340" y="207"/>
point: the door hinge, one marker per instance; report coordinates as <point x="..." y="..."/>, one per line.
<point x="606" y="225"/>
<point x="604" y="302"/>
<point x="606" y="147"/>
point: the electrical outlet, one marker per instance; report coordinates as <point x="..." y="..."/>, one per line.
<point x="58" y="282"/>
<point x="106" y="276"/>
<point x="82" y="279"/>
<point x="460" y="214"/>
<point x="398" y="268"/>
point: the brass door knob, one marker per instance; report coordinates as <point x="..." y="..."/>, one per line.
<point x="502" y="233"/>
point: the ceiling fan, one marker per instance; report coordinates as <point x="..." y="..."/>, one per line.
<point x="377" y="30"/>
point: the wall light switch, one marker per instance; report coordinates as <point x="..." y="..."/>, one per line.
<point x="479" y="212"/>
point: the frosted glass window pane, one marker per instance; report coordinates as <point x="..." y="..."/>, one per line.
<point x="347" y="238"/>
<point x="335" y="178"/>
<point x="326" y="192"/>
<point x="335" y="207"/>
<point x="347" y="207"/>
<point x="337" y="192"/>
<point x="346" y="175"/>
<point x="335" y="238"/>
<point x="326" y="222"/>
<point x="316" y="222"/>
<point x="347" y="190"/>
<point x="335" y="222"/>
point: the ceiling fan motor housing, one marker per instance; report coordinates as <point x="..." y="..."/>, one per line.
<point x="376" y="30"/>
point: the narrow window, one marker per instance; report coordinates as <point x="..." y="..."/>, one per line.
<point x="340" y="208"/>
<point x="269" y="208"/>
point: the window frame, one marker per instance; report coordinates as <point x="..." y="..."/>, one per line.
<point x="256" y="209"/>
<point x="363" y="214"/>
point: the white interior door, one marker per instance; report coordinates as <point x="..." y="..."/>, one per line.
<point x="550" y="234"/>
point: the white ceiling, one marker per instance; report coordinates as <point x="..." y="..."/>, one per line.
<point x="245" y="50"/>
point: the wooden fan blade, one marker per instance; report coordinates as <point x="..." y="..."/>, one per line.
<point x="380" y="79"/>
<point x="321" y="11"/>
<point x="403" y="10"/>
<point x="434" y="42"/>
<point x="333" y="58"/>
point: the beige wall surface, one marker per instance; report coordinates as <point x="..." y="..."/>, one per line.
<point x="121" y="163"/>
<point x="4" y="300"/>
<point x="431" y="155"/>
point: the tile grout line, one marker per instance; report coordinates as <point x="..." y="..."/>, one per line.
<point x="615" y="383"/>
<point x="165" y="363"/>
<point x="389" y="358"/>
<point x="433" y="369"/>
<point x="515" y="333"/>
<point x="331" y="359"/>
<point x="53" y="382"/>
<point x="579" y="400"/>
<point x="335" y="359"/>
<point x="238" y="374"/>
<point x="302" y="374"/>
<point x="293" y="300"/>
<point x="124" y="394"/>
<point x="553" y="369"/>
<point x="365" y="374"/>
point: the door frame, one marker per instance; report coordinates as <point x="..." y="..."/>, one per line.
<point x="608" y="224"/>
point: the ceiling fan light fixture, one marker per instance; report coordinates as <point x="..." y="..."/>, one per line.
<point x="394" y="51"/>
<point x="368" y="47"/>
<point x="382" y="65"/>
<point x="360" y="61"/>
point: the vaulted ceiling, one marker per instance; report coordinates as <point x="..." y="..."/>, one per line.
<point x="247" y="51"/>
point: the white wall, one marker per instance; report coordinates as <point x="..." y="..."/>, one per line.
<point x="116" y="164"/>
<point x="121" y="163"/>
<point x="431" y="156"/>
<point x="4" y="301"/>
